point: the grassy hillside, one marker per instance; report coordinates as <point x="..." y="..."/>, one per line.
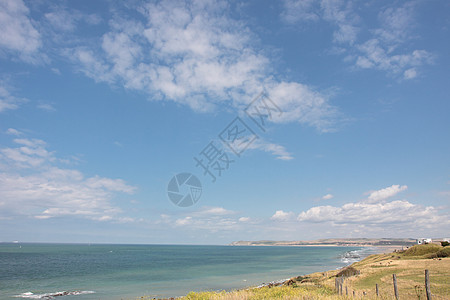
<point x="408" y="266"/>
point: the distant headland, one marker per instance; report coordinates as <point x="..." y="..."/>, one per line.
<point x="357" y="242"/>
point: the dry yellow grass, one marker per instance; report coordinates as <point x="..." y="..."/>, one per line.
<point x="410" y="272"/>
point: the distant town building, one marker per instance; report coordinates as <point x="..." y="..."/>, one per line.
<point x="424" y="241"/>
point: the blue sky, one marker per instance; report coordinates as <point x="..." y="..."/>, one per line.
<point x="102" y="103"/>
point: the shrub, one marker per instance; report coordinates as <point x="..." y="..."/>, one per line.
<point x="445" y="252"/>
<point x="347" y="272"/>
<point x="445" y="243"/>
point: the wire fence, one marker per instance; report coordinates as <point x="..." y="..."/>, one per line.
<point x="434" y="286"/>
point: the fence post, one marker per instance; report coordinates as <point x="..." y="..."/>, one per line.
<point x="376" y="287"/>
<point x="394" y="278"/>
<point x="340" y="286"/>
<point x="427" y="284"/>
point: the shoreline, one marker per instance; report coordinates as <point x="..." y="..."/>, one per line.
<point x="273" y="268"/>
<point x="367" y="277"/>
<point x="326" y="245"/>
<point x="391" y="249"/>
<point x="384" y="249"/>
<point x="332" y="242"/>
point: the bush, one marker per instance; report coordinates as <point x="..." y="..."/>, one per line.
<point x="347" y="272"/>
<point x="422" y="250"/>
<point x="445" y="243"/>
<point x="443" y="252"/>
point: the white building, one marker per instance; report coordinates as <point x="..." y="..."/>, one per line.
<point x="423" y="241"/>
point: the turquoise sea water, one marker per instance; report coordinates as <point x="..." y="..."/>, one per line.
<point x="40" y="271"/>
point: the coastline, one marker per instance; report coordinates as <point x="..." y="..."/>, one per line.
<point x="337" y="242"/>
<point x="386" y="250"/>
<point x="156" y="271"/>
<point x="330" y="245"/>
<point x="369" y="278"/>
<point x="382" y="249"/>
<point x="218" y="268"/>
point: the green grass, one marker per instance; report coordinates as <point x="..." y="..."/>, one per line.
<point x="422" y="250"/>
<point x="279" y="292"/>
<point x="370" y="281"/>
<point x="380" y="266"/>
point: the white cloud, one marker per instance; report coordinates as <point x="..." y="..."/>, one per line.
<point x="185" y="51"/>
<point x="396" y="23"/>
<point x="395" y="212"/>
<point x="8" y="101"/>
<point x="341" y="14"/>
<point x="280" y="215"/>
<point x="184" y="221"/>
<point x="327" y="197"/>
<point x="386" y="193"/>
<point x="18" y="35"/>
<point x="299" y="11"/>
<point x="300" y="103"/>
<point x="374" y="55"/>
<point x="410" y="73"/>
<point x="338" y="12"/>
<point x="195" y="54"/>
<point x="62" y="19"/>
<point x="13" y="131"/>
<point x="278" y="151"/>
<point x="213" y="211"/>
<point x="209" y="223"/>
<point x="376" y="217"/>
<point x="381" y="50"/>
<point x="90" y="65"/>
<point x="46" y="107"/>
<point x="32" y="184"/>
<point x="244" y="219"/>
<point x="208" y="219"/>
<point x="31" y="153"/>
<point x="56" y="71"/>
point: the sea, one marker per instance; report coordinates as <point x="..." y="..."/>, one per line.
<point x="100" y="271"/>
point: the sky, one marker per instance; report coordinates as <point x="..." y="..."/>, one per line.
<point x="270" y="120"/>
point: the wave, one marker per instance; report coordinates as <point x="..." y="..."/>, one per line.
<point x="31" y="295"/>
<point x="353" y="256"/>
<point x="272" y="283"/>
